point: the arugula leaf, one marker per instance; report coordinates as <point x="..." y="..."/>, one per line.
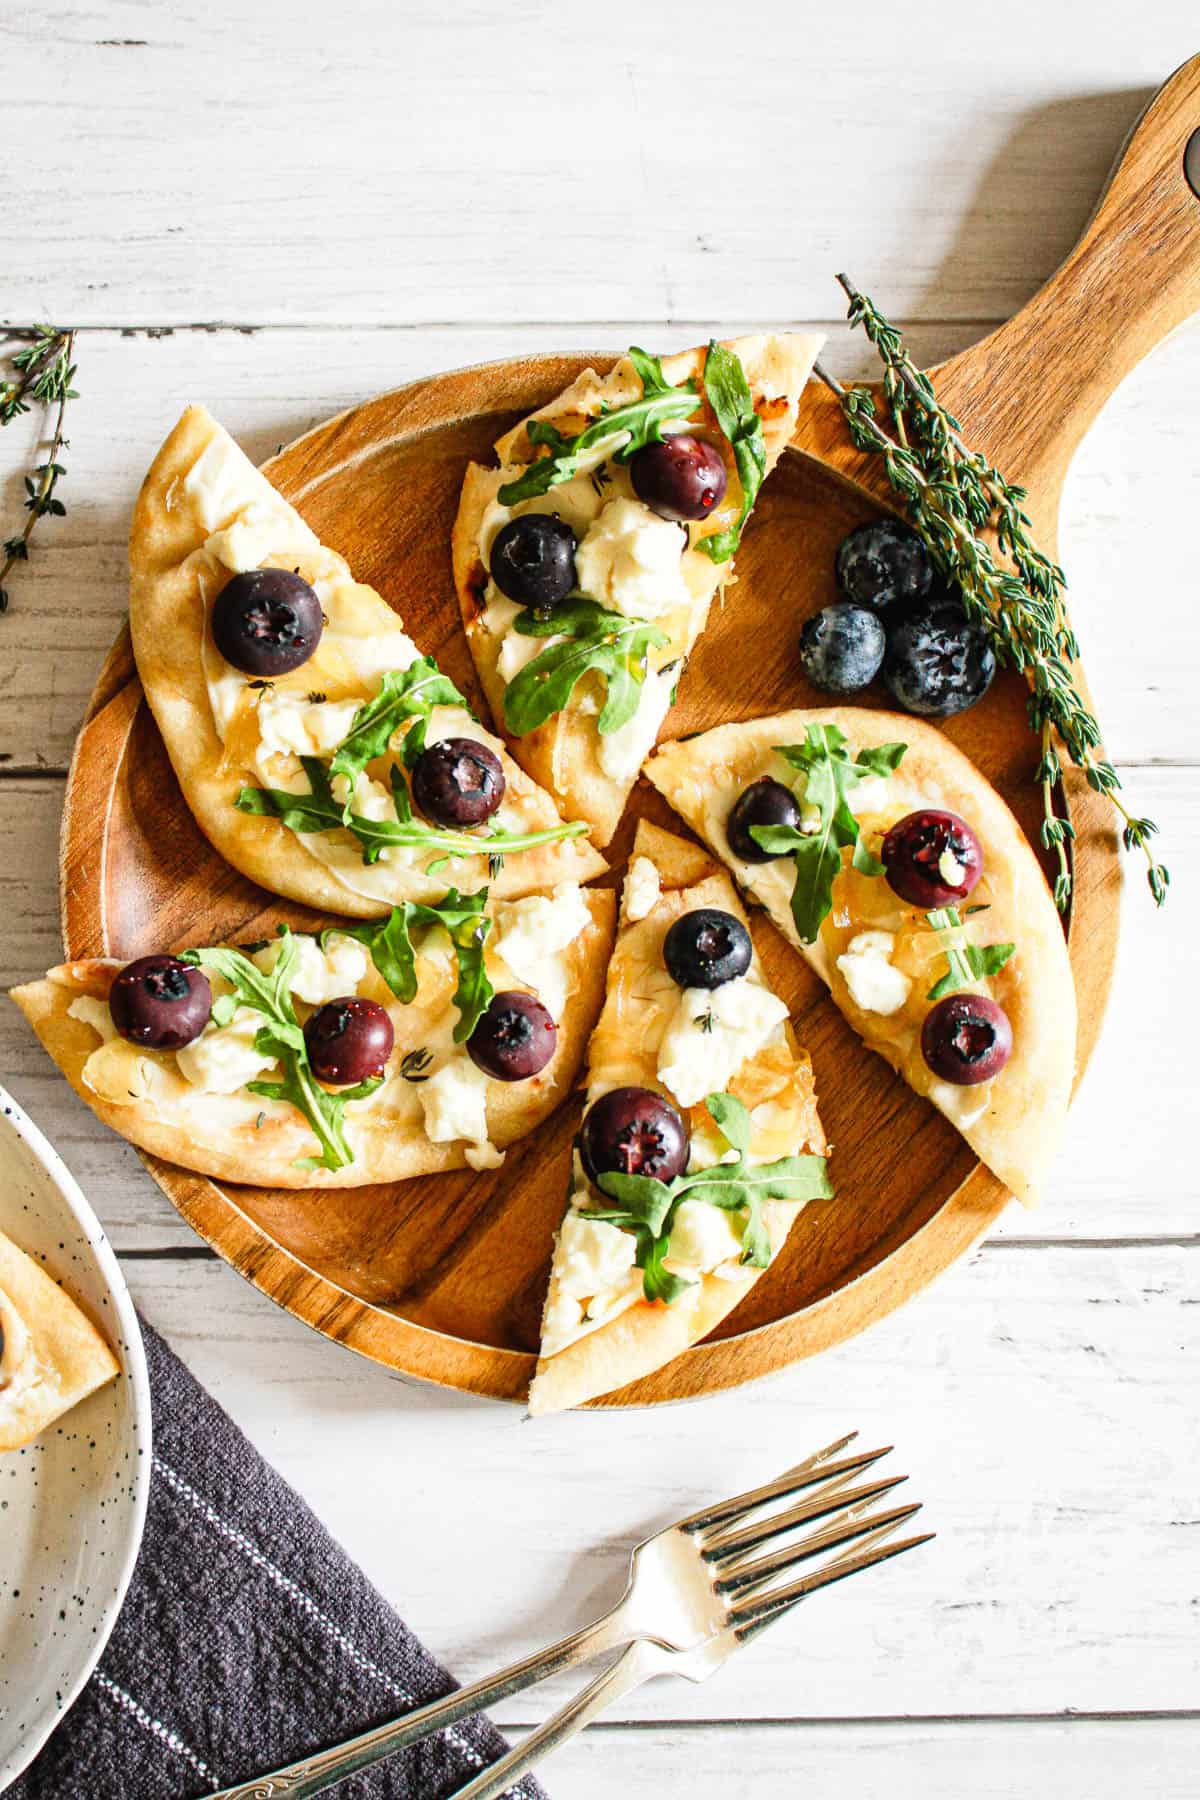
<point x="647" y="1207"/>
<point x="641" y="421"/>
<point x="411" y="694"/>
<point x="319" y="811"/>
<point x="587" y="637"/>
<point x="831" y="774"/>
<point x="729" y="396"/>
<point x="968" y="963"/>
<point x="282" y="1037"/>
<point x="389" y="942"/>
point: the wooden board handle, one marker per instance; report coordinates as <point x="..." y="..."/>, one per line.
<point x="1033" y="387"/>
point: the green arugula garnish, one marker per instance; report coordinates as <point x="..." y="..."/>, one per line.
<point x="729" y="396"/>
<point x="968" y="963"/>
<point x="282" y="1037"/>
<point x="412" y="694"/>
<point x="648" y="1207"/>
<point x="831" y="774"/>
<point x="318" y="810"/>
<point x="389" y="942"/>
<point x="588" y="637"/>
<point x="641" y="420"/>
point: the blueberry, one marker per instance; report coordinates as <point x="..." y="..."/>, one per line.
<point x="348" y="1040"/>
<point x="634" y="1131"/>
<point x="764" y="802"/>
<point x="706" y="948"/>
<point x="841" y="648"/>
<point x="458" y="782"/>
<point x="533" y="559"/>
<point x="267" y="621"/>
<point x="514" y="1039"/>
<point x="680" y="478"/>
<point x="938" y="662"/>
<point x="966" y="1039"/>
<point x="883" y="564"/>
<point x="160" y="1002"/>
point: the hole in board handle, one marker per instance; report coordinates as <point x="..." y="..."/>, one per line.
<point x="1191" y="162"/>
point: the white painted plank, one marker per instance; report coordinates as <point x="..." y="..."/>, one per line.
<point x="1073" y="1759"/>
<point x="1037" y="1402"/>
<point x="415" y="162"/>
<point x="1122" y="1172"/>
<point x="1130" y="562"/>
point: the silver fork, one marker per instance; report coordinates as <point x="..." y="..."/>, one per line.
<point x="696" y="1592"/>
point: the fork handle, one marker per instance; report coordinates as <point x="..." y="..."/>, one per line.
<point x="313" y="1774"/>
<point x="642" y="1659"/>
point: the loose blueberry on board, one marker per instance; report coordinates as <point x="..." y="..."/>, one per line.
<point x="938" y="662"/>
<point x="533" y="560"/>
<point x="764" y="802"/>
<point x="458" y="782"/>
<point x="160" y="1002"/>
<point x="680" y="478"/>
<point x="634" y="1131"/>
<point x="706" y="948"/>
<point x="514" y="1039"/>
<point x="966" y="1039"/>
<point x="842" y="648"/>
<point x="267" y="621"/>
<point x="923" y="852"/>
<point x="883" y="564"/>
<point x="348" y="1040"/>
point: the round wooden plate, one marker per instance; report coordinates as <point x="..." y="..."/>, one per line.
<point x="443" y="1278"/>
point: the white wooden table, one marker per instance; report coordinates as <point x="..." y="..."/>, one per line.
<point x="281" y="209"/>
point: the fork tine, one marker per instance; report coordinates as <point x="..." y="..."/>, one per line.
<point x="763" y="1610"/>
<point x="848" y="1526"/>
<point x="738" y="1538"/>
<point x="813" y="1472"/>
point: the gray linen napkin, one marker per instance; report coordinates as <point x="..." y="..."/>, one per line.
<point x="248" y="1638"/>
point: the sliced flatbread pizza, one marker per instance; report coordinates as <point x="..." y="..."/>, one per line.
<point x="634" y="487"/>
<point x="294" y="707"/>
<point x="886" y="858"/>
<point x="367" y="1053"/>
<point x="51" y="1356"/>
<point x="701" y="1140"/>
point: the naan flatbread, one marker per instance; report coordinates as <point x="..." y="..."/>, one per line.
<point x="205" y="513"/>
<point x="1014" y="1122"/>
<point x="51" y="1356"/>
<point x="590" y="775"/>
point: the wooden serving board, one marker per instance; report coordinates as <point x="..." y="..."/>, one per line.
<point x="443" y="1278"/>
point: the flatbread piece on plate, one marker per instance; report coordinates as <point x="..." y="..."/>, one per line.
<point x="51" y="1355"/>
<point x="205" y="515"/>
<point x="854" y="772"/>
<point x="644" y="582"/>
<point x="214" y="1106"/>
<point x="631" y="1291"/>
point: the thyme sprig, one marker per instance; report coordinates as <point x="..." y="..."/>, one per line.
<point x="42" y="374"/>
<point x="953" y="496"/>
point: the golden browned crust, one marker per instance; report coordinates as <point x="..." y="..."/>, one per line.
<point x="563" y="754"/>
<point x="1019" y="1133"/>
<point x="67" y="1345"/>
<point x="650" y="1334"/>
<point x="168" y="569"/>
<point x="178" y="1126"/>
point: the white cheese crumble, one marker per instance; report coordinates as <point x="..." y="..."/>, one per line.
<point x="622" y="752"/>
<point x="632" y="560"/>
<point x="371" y="798"/>
<point x="223" y="1058"/>
<point x="454" y="1102"/>
<point x="642" y="889"/>
<point x="320" y="975"/>
<point x="875" y="984"/>
<point x="289" y="725"/>
<point x="216" y="481"/>
<point x="95" y="1013"/>
<point x="373" y="657"/>
<point x="532" y="934"/>
<point x="592" y="1256"/>
<point x="703" y="1236"/>
<point x="247" y="541"/>
<point x="696" y="1059"/>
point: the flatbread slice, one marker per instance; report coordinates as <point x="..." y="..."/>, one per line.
<point x="1014" y="1121"/>
<point x="435" y="1109"/>
<point x="625" y="550"/>
<point x="51" y="1356"/>
<point x="599" y="1330"/>
<point x="204" y="514"/>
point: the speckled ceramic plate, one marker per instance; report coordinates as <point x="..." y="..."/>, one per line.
<point x="72" y="1505"/>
